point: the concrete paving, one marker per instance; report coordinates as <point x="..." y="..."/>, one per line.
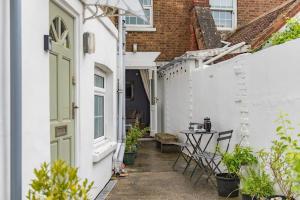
<point x="152" y="178"/>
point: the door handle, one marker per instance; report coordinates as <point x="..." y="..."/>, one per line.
<point x="74" y="107"/>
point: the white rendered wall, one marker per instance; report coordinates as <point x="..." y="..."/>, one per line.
<point x="245" y="93"/>
<point x="4" y="100"/>
<point x="35" y="80"/>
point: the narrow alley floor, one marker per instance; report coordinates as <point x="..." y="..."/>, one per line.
<point x="152" y="178"/>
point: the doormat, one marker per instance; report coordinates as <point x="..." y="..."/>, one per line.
<point x="106" y="190"/>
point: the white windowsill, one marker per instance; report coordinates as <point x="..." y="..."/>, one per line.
<point x="140" y="29"/>
<point x="103" y="149"/>
<point x="226" y="29"/>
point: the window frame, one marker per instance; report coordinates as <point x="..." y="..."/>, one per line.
<point x="100" y="92"/>
<point x="136" y="27"/>
<point x="234" y="15"/>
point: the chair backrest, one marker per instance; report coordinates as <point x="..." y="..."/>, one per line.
<point x="225" y="138"/>
<point x="193" y="125"/>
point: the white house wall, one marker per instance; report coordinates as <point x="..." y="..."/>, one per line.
<point x="35" y="80"/>
<point x="4" y="100"/>
<point x="245" y="93"/>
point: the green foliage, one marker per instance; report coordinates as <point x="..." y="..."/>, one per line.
<point x="257" y="183"/>
<point x="132" y="137"/>
<point x="294" y="161"/>
<point x="292" y="32"/>
<point x="296" y="164"/>
<point x="281" y="160"/>
<point x="239" y="157"/>
<point x="60" y="182"/>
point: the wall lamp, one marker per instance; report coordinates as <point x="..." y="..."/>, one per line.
<point x="47" y="43"/>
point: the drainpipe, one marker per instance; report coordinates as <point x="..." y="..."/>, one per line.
<point x="16" y="101"/>
<point x="119" y="154"/>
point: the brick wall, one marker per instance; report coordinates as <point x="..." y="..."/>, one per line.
<point x="173" y="20"/>
<point x="173" y="35"/>
<point x="250" y="9"/>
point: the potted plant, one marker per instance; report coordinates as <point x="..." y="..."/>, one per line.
<point x="60" y="181"/>
<point x="281" y="160"/>
<point x="132" y="143"/>
<point x="228" y="183"/>
<point x="256" y="184"/>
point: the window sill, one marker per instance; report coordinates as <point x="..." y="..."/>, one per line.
<point x="140" y="29"/>
<point x="226" y="29"/>
<point x="103" y="149"/>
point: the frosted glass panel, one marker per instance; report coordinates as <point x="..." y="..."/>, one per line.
<point x="99" y="116"/>
<point x="99" y="81"/>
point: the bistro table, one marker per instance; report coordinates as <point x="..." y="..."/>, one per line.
<point x="196" y="143"/>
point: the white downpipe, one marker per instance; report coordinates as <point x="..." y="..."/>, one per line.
<point x="119" y="154"/>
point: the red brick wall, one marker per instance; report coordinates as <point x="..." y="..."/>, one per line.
<point x="250" y="9"/>
<point x="175" y="34"/>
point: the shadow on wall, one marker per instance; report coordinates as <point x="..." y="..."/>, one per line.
<point x="137" y="103"/>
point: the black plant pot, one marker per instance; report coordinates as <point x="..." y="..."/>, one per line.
<point x="129" y="158"/>
<point x="228" y="185"/>
<point x="277" y="197"/>
<point x="248" y="197"/>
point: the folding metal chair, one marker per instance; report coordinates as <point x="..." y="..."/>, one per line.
<point x="185" y="145"/>
<point x="213" y="160"/>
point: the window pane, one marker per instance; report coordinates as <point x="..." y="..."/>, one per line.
<point x="137" y="21"/>
<point x="99" y="117"/>
<point x="147" y="12"/>
<point x="147" y="3"/>
<point x="132" y="20"/>
<point x="223" y="19"/>
<point x="127" y="19"/>
<point x="221" y="3"/>
<point x="98" y="81"/>
<point x="140" y="21"/>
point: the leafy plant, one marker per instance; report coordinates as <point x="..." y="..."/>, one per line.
<point x="60" y="182"/>
<point x="281" y="160"/>
<point x="239" y="157"/>
<point x="257" y="183"/>
<point x="296" y="164"/>
<point x="132" y="137"/>
<point x="291" y="32"/>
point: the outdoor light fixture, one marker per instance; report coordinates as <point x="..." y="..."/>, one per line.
<point x="47" y="43"/>
<point x="89" y="42"/>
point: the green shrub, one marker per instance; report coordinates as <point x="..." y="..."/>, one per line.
<point x="239" y="157"/>
<point x="60" y="182"/>
<point x="280" y="159"/>
<point x="132" y="137"/>
<point x="257" y="183"/>
<point x="291" y="32"/>
<point x="296" y="163"/>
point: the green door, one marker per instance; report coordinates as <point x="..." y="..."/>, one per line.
<point x="61" y="85"/>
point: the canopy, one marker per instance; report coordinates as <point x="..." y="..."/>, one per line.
<point x="130" y="7"/>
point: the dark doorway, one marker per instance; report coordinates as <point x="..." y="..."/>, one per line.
<point x="137" y="103"/>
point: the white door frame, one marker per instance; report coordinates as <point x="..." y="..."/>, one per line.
<point x="153" y="108"/>
<point x="146" y="60"/>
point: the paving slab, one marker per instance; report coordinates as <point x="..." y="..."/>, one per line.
<point x="152" y="178"/>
